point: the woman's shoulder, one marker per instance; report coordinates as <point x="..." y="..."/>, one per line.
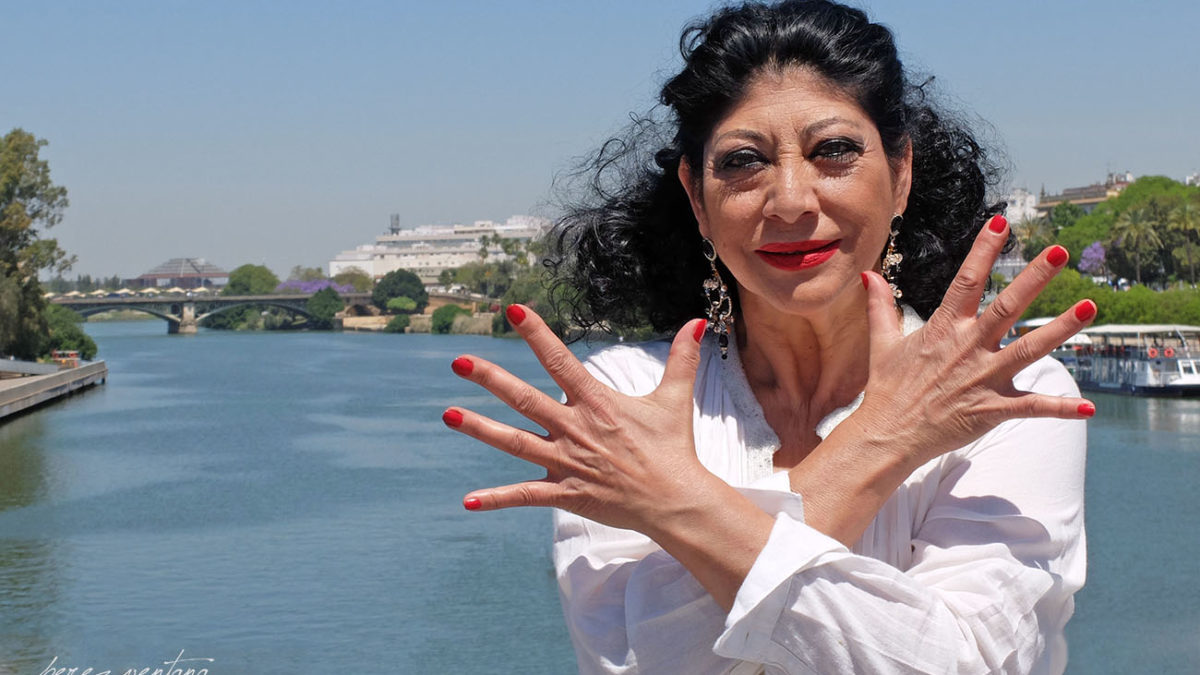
<point x="1047" y="375"/>
<point x="630" y="368"/>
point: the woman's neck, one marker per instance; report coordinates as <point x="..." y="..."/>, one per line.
<point x="803" y="367"/>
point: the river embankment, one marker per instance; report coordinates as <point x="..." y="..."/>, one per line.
<point x="21" y="393"/>
<point x="476" y="324"/>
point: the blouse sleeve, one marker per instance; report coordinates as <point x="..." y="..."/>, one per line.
<point x="995" y="563"/>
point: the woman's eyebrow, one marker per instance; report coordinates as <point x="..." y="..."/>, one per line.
<point x="820" y="125"/>
<point x="747" y="134"/>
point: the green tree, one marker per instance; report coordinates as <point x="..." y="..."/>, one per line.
<point x="323" y="305"/>
<point x="356" y="278"/>
<point x="1063" y="291"/>
<point x="443" y="317"/>
<point x="302" y="273"/>
<point x="30" y="203"/>
<point x="402" y="305"/>
<point x="1063" y="216"/>
<point x="65" y="333"/>
<point x="398" y="283"/>
<point x="1184" y="221"/>
<point x="251" y="280"/>
<point x="1033" y="235"/>
<point x="1136" y="237"/>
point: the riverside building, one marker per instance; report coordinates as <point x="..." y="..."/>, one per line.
<point x="427" y="250"/>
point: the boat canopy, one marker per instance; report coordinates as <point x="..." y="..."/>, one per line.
<point x="1134" y="329"/>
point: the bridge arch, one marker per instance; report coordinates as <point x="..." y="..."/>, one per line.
<point x="88" y="311"/>
<point x="257" y="303"/>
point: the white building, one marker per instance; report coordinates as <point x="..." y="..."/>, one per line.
<point x="1022" y="205"/>
<point x="426" y="250"/>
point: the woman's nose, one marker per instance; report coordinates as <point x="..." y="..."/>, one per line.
<point x="791" y="194"/>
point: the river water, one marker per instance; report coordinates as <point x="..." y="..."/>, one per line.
<point x="289" y="502"/>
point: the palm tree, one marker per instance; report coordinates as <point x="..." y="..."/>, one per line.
<point x="1185" y="219"/>
<point x="1033" y="234"/>
<point x="1136" y="232"/>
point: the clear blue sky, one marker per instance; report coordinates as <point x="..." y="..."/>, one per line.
<point x="284" y="132"/>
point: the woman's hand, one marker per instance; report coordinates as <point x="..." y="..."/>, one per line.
<point x="937" y="389"/>
<point x="624" y="461"/>
<point x="950" y="382"/>
<point x="620" y="460"/>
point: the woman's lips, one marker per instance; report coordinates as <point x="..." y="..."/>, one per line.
<point x="798" y="255"/>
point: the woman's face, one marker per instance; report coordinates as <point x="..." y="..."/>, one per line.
<point x="796" y="191"/>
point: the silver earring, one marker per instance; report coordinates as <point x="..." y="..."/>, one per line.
<point x="892" y="259"/>
<point x="720" y="305"/>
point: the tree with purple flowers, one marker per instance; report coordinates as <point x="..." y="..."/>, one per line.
<point x="1092" y="260"/>
<point x="312" y="287"/>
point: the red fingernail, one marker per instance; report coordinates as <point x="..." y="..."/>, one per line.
<point x="1086" y="409"/>
<point x="1057" y="256"/>
<point x="472" y="503"/>
<point x="462" y="366"/>
<point x="699" y="332"/>
<point x="1085" y="310"/>
<point x="515" y="314"/>
<point x="997" y="223"/>
<point x="452" y="418"/>
<point x="866" y="280"/>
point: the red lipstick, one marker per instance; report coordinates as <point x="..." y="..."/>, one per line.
<point x="798" y="255"/>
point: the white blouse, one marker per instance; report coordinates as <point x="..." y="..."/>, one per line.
<point x="969" y="567"/>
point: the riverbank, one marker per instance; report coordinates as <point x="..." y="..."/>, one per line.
<point x="476" y="324"/>
<point x="22" y="393"/>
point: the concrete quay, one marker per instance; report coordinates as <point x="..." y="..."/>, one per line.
<point x="20" y="393"/>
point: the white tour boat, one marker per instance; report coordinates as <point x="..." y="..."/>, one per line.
<point x="1144" y="360"/>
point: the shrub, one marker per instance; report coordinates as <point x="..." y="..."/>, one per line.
<point x="397" y="324"/>
<point x="402" y="305"/>
<point x="443" y="318"/>
<point x="65" y="333"/>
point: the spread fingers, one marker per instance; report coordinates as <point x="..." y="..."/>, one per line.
<point x="519" y="443"/>
<point x="512" y="390"/>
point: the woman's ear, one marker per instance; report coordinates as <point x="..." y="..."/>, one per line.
<point x="692" y="187"/>
<point x="902" y="179"/>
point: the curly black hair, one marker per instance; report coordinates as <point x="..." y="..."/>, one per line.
<point x="608" y="248"/>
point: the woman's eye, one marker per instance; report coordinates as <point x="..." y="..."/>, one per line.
<point x="839" y="150"/>
<point x="740" y="159"/>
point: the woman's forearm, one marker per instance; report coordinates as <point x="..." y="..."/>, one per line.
<point x="717" y="536"/>
<point x="846" y="480"/>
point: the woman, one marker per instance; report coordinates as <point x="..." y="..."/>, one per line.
<point x="848" y="477"/>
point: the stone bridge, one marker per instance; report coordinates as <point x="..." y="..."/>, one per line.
<point x="184" y="313"/>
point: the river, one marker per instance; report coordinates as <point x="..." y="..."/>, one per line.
<point x="289" y="502"/>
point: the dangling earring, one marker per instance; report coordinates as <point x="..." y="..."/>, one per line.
<point x="892" y="259"/>
<point x="720" y="306"/>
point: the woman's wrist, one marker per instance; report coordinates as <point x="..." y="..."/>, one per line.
<point x="847" y="479"/>
<point x="715" y="532"/>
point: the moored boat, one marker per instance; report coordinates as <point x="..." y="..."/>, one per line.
<point x="1144" y="360"/>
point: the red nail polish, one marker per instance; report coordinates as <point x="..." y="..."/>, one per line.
<point x="997" y="223"/>
<point x="515" y="314"/>
<point x="866" y="280"/>
<point x="472" y="503"/>
<point x="699" y="332"/>
<point x="1085" y="310"/>
<point x="1086" y="409"/>
<point x="1057" y="256"/>
<point x="452" y="419"/>
<point x="462" y="366"/>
